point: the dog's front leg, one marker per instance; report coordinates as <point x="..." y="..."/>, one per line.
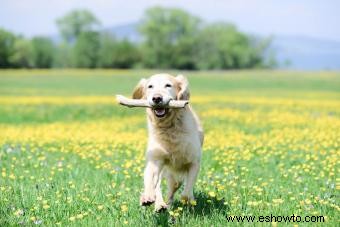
<point x="152" y="180"/>
<point x="188" y="192"/>
<point x="160" y="205"/>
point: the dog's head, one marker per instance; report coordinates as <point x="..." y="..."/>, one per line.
<point x="159" y="89"/>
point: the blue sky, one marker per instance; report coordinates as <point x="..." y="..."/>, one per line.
<point x="312" y="18"/>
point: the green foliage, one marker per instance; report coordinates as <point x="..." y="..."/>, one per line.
<point x="175" y="39"/>
<point x="222" y="46"/>
<point x="117" y="53"/>
<point x="43" y="52"/>
<point x="85" y="52"/>
<point x="63" y="56"/>
<point x="22" y="54"/>
<point x="172" y="38"/>
<point x="7" y="41"/>
<point x="168" y="38"/>
<point x="73" y="24"/>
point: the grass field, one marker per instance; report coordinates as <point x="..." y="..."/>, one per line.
<point x="69" y="155"/>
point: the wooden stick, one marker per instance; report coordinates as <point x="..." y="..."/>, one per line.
<point x="144" y="103"/>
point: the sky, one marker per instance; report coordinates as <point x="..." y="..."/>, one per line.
<point x="310" y="18"/>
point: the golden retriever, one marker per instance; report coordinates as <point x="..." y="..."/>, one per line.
<point x="175" y="140"/>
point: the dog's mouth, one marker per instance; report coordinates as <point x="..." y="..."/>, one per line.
<point x="160" y="112"/>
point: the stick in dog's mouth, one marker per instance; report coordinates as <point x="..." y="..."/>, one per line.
<point x="159" y="110"/>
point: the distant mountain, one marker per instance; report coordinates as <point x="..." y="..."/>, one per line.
<point x="306" y="53"/>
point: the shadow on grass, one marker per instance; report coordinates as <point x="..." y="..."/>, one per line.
<point x="206" y="206"/>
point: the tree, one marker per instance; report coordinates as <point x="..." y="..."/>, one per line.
<point x="7" y="41"/>
<point x="22" y="56"/>
<point x="43" y="52"/>
<point x="63" y="56"/>
<point x="76" y="22"/>
<point x="169" y="38"/>
<point x="85" y="52"/>
<point x="222" y="46"/>
<point x="117" y="53"/>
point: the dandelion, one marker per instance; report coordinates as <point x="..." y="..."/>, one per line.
<point x="123" y="208"/>
<point x="72" y="218"/>
<point x="253" y="203"/>
<point x="193" y="202"/>
<point x="278" y="201"/>
<point x="19" y="212"/>
<point x="308" y="202"/>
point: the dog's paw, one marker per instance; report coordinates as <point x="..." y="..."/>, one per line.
<point x="146" y="200"/>
<point x="162" y="207"/>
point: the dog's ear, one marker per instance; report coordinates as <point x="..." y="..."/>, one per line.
<point x="138" y="92"/>
<point x="183" y="88"/>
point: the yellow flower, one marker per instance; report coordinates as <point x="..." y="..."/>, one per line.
<point x="72" y="218"/>
<point x="212" y="194"/>
<point x="193" y="202"/>
<point x="19" y="212"/>
<point x="278" y="201"/>
<point x="124" y="208"/>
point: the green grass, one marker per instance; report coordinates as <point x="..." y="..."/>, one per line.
<point x="70" y="156"/>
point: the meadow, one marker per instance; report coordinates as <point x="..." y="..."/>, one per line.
<point x="70" y="156"/>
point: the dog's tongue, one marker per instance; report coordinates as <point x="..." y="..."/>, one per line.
<point x="160" y="111"/>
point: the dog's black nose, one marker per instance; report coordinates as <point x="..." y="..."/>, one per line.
<point x="157" y="99"/>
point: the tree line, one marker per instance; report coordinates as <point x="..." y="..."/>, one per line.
<point x="170" y="38"/>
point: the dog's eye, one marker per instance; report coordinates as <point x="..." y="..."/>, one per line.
<point x="168" y="85"/>
<point x="150" y="86"/>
